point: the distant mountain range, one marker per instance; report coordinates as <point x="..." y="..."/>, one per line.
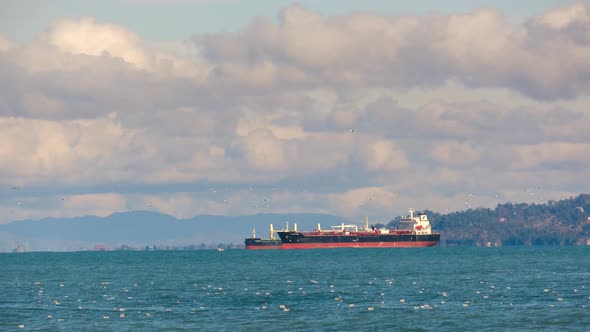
<point x="564" y="222"/>
<point x="141" y="228"/>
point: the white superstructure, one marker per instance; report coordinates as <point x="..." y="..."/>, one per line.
<point x="420" y="223"/>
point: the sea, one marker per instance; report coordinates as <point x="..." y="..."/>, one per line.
<point x="417" y="289"/>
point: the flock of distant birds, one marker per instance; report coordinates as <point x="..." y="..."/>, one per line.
<point x="265" y="202"/>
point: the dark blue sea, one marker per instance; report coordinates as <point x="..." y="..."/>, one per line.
<point x="422" y="289"/>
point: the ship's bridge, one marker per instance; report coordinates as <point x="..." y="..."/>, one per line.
<point x="419" y="223"/>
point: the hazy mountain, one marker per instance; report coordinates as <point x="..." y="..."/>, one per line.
<point x="564" y="222"/>
<point x="140" y="228"/>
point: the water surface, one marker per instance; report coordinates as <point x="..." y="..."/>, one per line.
<point x="421" y="289"/>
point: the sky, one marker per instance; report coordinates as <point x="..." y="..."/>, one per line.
<point x="242" y="107"/>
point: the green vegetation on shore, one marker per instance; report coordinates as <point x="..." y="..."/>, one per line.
<point x="564" y="222"/>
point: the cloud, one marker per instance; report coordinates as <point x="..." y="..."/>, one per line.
<point x="263" y="150"/>
<point x="481" y="48"/>
<point x="94" y="204"/>
<point x="559" y="18"/>
<point x="455" y="153"/>
<point x="553" y="155"/>
<point x="74" y="45"/>
<point x="375" y="200"/>
<point x="384" y="155"/>
<point x="5" y="44"/>
<point x="41" y="150"/>
<point x="332" y="111"/>
<point x="85" y="36"/>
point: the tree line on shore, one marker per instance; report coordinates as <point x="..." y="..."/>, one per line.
<point x="564" y="222"/>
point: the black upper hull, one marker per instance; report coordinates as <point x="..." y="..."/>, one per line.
<point x="296" y="237"/>
<point x="257" y="242"/>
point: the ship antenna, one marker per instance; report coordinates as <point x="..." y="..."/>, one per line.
<point x="253" y="232"/>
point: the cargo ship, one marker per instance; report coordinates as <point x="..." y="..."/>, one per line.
<point x="416" y="233"/>
<point x="256" y="243"/>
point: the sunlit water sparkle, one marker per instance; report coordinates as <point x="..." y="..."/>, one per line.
<point x="424" y="289"/>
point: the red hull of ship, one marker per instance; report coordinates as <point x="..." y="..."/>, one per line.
<point x="359" y="245"/>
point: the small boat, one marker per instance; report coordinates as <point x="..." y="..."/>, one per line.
<point x="256" y="243"/>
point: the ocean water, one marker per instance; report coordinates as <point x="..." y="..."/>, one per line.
<point x="422" y="289"/>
